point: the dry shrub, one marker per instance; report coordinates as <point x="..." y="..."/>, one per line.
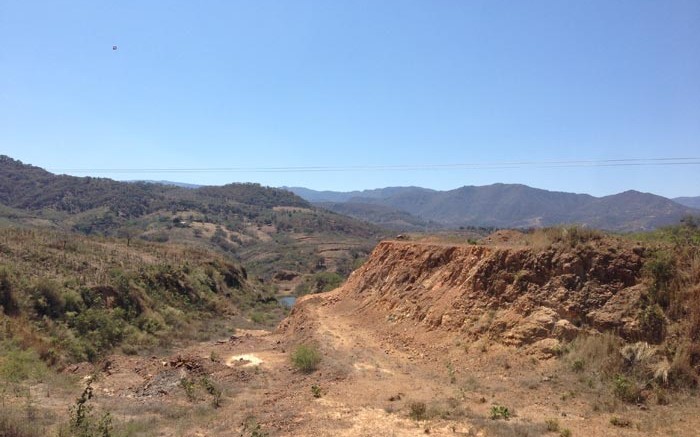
<point x="14" y="425"/>
<point x="599" y="352"/>
<point x="502" y="428"/>
<point x="567" y="236"/>
<point x="418" y="411"/>
<point x="683" y="370"/>
<point x="640" y="353"/>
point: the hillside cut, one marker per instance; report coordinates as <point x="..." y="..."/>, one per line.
<point x="514" y="295"/>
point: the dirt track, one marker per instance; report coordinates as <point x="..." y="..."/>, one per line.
<point x="369" y="377"/>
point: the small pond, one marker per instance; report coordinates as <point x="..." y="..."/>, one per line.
<point x="287" y="301"/>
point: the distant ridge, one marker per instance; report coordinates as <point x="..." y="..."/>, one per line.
<point x="170" y="183"/>
<point x="692" y="202"/>
<point x="507" y="206"/>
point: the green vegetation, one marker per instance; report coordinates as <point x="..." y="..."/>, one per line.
<point x="252" y="428"/>
<point x="306" y="358"/>
<point x="451" y="372"/>
<point x="672" y="300"/>
<point x="214" y="390"/>
<point x="652" y="322"/>
<point x="8" y="300"/>
<point x="188" y="386"/>
<point x="319" y="283"/>
<point x="18" y="365"/>
<point x="94" y="294"/>
<point x="578" y="365"/>
<point x="625" y="389"/>
<point x="316" y="391"/>
<point x="267" y="229"/>
<point x="83" y="422"/>
<point x="500" y="412"/>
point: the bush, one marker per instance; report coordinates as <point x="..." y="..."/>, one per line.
<point x="620" y="422"/>
<point x="661" y="269"/>
<point x="319" y="283"/>
<point x="552" y="425"/>
<point x="188" y="386"/>
<point x="500" y="412"/>
<point x="258" y="317"/>
<point x="48" y="300"/>
<point x="8" y="302"/>
<point x="82" y="421"/>
<point x="306" y="358"/>
<point x="682" y="372"/>
<point x="214" y="390"/>
<point x="625" y="389"/>
<point x="100" y="329"/>
<point x="418" y="411"/>
<point x="653" y="323"/>
<point x="19" y="365"/>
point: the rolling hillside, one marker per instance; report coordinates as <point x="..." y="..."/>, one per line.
<point x="267" y="229"/>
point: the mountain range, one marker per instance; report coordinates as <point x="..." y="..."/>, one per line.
<point x="244" y="212"/>
<point x="502" y="205"/>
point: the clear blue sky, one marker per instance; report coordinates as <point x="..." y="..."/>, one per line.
<point x="199" y="84"/>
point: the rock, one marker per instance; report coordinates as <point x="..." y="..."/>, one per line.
<point x="619" y="312"/>
<point x="565" y="330"/>
<point x="536" y="326"/>
<point x="547" y="348"/>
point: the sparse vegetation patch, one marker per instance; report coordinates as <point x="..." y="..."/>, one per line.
<point x="306" y="358"/>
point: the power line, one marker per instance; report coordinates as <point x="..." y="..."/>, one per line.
<point x="627" y="162"/>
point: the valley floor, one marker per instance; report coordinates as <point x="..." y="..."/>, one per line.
<point x="371" y="382"/>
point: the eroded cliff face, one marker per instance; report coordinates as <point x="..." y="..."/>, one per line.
<point x="516" y="296"/>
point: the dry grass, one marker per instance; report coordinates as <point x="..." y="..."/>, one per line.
<point x="598" y="353"/>
<point x="15" y="424"/>
<point x="569" y="237"/>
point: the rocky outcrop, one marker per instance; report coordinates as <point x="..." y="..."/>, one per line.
<point x="516" y="296"/>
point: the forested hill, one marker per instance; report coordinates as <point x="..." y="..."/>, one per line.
<point x="28" y="187"/>
<point x="265" y="228"/>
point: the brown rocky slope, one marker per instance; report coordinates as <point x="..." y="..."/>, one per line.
<point x="515" y="295"/>
<point x="574" y="332"/>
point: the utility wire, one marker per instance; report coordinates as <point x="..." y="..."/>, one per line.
<point x="637" y="162"/>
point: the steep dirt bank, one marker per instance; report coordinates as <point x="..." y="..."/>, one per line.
<point x="516" y="296"/>
<point x="479" y="327"/>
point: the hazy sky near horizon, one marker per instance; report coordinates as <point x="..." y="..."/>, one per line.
<point x="272" y="84"/>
